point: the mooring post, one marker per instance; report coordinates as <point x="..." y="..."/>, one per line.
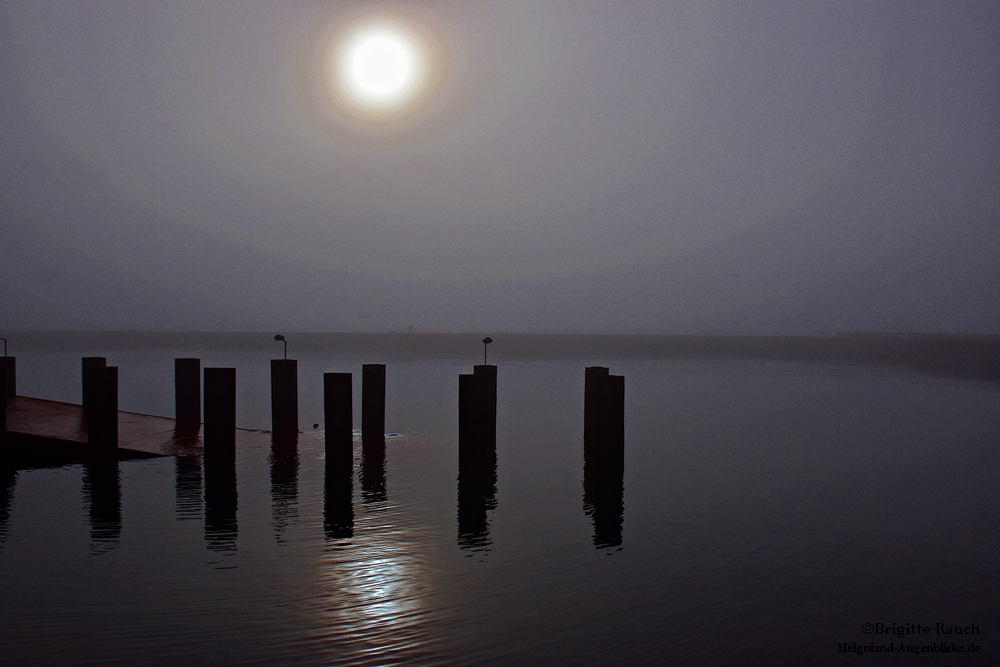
<point x="219" y="435"/>
<point x="284" y="396"/>
<point x="187" y="393"/>
<point x="86" y="363"/>
<point x="477" y="469"/>
<point x="373" y="405"/>
<point x="338" y="413"/>
<point x="473" y="391"/>
<point x="490" y="402"/>
<point x="102" y="413"/>
<point x="8" y="368"/>
<point x="604" y="454"/>
<point x="612" y="422"/>
<point x="591" y="410"/>
<point x="219" y="455"/>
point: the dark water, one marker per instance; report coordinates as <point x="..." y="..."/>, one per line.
<point x="766" y="513"/>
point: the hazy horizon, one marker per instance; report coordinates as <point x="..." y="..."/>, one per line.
<point x="637" y="168"/>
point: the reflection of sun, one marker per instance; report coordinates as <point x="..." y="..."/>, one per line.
<point x="372" y="600"/>
<point x="379" y="67"/>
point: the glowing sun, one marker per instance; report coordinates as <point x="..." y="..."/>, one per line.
<point x="380" y="67"/>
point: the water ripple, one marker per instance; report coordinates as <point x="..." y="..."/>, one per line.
<point x="372" y="601"/>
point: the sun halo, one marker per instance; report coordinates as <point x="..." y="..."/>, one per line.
<point x="379" y="68"/>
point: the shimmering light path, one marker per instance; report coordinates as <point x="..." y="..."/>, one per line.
<point x="792" y="499"/>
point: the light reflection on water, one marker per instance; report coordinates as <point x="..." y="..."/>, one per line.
<point x="372" y="595"/>
<point x="755" y="502"/>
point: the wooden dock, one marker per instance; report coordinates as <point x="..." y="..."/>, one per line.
<point x="47" y="432"/>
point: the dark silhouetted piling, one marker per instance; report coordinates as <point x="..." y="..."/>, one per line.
<point x="490" y="403"/>
<point x="219" y="457"/>
<point x="8" y="368"/>
<point x="187" y="393"/>
<point x="284" y="396"/>
<point x="338" y="482"/>
<point x="3" y="407"/>
<point x="86" y="363"/>
<point x="604" y="454"/>
<point x="338" y="413"/>
<point x="603" y="416"/>
<point x="611" y="429"/>
<point x="477" y="455"/>
<point x="220" y="413"/>
<point x="373" y="433"/>
<point x="373" y="405"/>
<point x="591" y="409"/>
<point x="102" y="414"/>
<point x="477" y="412"/>
<point x="472" y="421"/>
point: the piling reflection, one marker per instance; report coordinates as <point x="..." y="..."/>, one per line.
<point x="187" y="498"/>
<point x="338" y="510"/>
<point x="284" y="460"/>
<point x="373" y="473"/>
<point x="102" y="499"/>
<point x="221" y="504"/>
<point x="477" y="488"/>
<point x="8" y="480"/>
<point x="603" y="502"/>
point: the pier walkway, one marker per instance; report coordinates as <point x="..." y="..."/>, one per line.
<point x="40" y="428"/>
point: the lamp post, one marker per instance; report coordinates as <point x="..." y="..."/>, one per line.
<point x="4" y="346"/>
<point x="486" y="342"/>
<point x="282" y="339"/>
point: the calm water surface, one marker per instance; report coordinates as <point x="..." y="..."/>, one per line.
<point x="768" y="512"/>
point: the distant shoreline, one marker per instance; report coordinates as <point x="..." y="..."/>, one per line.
<point x="970" y="356"/>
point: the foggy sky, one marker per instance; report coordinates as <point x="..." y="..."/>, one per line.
<point x="627" y="167"/>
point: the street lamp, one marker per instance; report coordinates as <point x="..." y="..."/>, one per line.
<point x="486" y="342"/>
<point x="282" y="339"/>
